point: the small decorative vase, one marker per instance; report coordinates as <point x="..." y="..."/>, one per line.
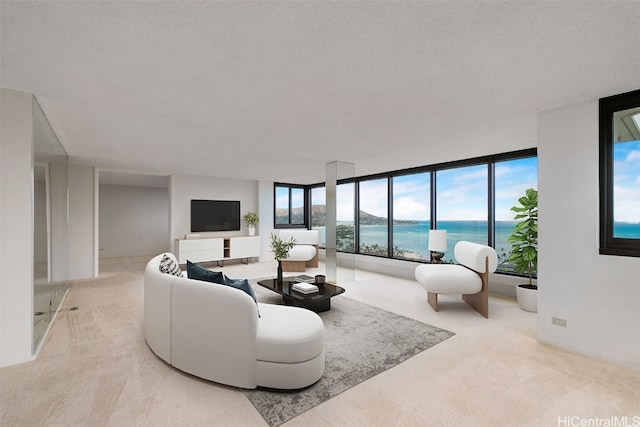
<point x="279" y="273"/>
<point x="252" y="230"/>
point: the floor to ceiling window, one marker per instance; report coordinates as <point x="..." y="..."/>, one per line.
<point x="318" y="212"/>
<point x="461" y="205"/>
<point x="373" y="217"/>
<point x="345" y="217"/>
<point x="472" y="200"/>
<point x="511" y="179"/>
<point x="411" y="215"/>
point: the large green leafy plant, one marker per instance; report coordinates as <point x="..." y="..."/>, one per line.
<point x="524" y="238"/>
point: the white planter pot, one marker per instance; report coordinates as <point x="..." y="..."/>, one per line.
<point x="527" y="298"/>
<point x="252" y="230"/>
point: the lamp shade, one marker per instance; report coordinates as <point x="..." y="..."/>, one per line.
<point x="438" y="240"/>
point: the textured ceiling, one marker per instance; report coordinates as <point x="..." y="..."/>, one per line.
<point x="274" y="90"/>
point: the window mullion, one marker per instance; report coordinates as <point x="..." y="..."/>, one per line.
<point x="390" y="217"/>
<point x="491" y="205"/>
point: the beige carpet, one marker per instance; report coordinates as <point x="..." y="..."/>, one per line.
<point x="95" y="369"/>
<point x="362" y="341"/>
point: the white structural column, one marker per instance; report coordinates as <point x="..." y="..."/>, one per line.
<point x="337" y="171"/>
<point x="16" y="227"/>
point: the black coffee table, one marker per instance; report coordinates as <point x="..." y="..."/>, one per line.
<point x="317" y="302"/>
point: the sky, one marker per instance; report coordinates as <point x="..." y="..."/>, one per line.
<point x="282" y="197"/>
<point x="461" y="193"/>
<point x="626" y="181"/>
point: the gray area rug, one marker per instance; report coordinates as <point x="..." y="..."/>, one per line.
<point x="361" y="342"/>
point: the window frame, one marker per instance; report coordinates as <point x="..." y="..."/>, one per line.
<point x="489" y="161"/>
<point x="305" y="206"/>
<point x="610" y="245"/>
<point x="428" y="197"/>
<point x="357" y="222"/>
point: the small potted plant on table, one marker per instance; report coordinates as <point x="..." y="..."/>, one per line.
<point x="251" y="219"/>
<point x="280" y="249"/>
<point x="524" y="248"/>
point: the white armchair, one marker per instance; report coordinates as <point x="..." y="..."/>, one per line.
<point x="470" y="278"/>
<point x="305" y="252"/>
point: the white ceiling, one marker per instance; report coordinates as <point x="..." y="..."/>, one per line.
<point x="274" y="90"/>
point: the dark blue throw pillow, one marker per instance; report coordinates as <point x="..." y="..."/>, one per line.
<point x="243" y="285"/>
<point x="194" y="271"/>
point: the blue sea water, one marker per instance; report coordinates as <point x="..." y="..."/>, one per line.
<point x="413" y="238"/>
<point x="626" y="230"/>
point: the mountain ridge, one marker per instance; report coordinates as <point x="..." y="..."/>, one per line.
<point x="318" y="213"/>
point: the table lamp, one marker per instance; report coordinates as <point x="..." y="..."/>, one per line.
<point x="437" y="245"/>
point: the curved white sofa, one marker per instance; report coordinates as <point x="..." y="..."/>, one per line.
<point x="304" y="253"/>
<point x="213" y="331"/>
<point x="470" y="278"/>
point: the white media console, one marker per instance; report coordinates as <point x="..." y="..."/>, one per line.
<point x="218" y="249"/>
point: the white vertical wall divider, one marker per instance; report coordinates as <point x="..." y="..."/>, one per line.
<point x="598" y="295"/>
<point x="16" y="227"/>
<point x="336" y="171"/>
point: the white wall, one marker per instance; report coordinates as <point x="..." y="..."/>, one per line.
<point x="134" y="221"/>
<point x="16" y="228"/>
<point x="598" y="295"/>
<point x="60" y="220"/>
<point x="265" y="227"/>
<point x="186" y="187"/>
<point x="41" y="234"/>
<point x="81" y="222"/>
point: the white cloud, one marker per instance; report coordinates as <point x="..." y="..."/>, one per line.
<point x="282" y="201"/>
<point x="463" y="214"/>
<point x="626" y="203"/>
<point x="345" y="202"/>
<point x="410" y="208"/>
<point x="297" y="198"/>
<point x="418" y="187"/>
<point x="372" y="188"/>
<point x="318" y="196"/>
<point x="477" y="174"/>
<point x="633" y="156"/>
<point x="373" y="197"/>
<point x="469" y="194"/>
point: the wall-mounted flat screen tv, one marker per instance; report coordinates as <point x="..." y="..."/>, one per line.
<point x="215" y="215"/>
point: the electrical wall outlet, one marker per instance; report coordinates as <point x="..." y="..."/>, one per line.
<point x="559" y="322"/>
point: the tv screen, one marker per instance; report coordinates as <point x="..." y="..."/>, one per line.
<point x="215" y="215"/>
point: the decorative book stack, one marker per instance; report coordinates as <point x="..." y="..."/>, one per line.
<point x="305" y="288"/>
<point x="304" y="278"/>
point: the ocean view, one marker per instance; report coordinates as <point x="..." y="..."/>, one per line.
<point x="626" y="230"/>
<point x="412" y="238"/>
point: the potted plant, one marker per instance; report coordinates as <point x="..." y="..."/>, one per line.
<point x="251" y="219"/>
<point x="524" y="248"/>
<point x="280" y="249"/>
